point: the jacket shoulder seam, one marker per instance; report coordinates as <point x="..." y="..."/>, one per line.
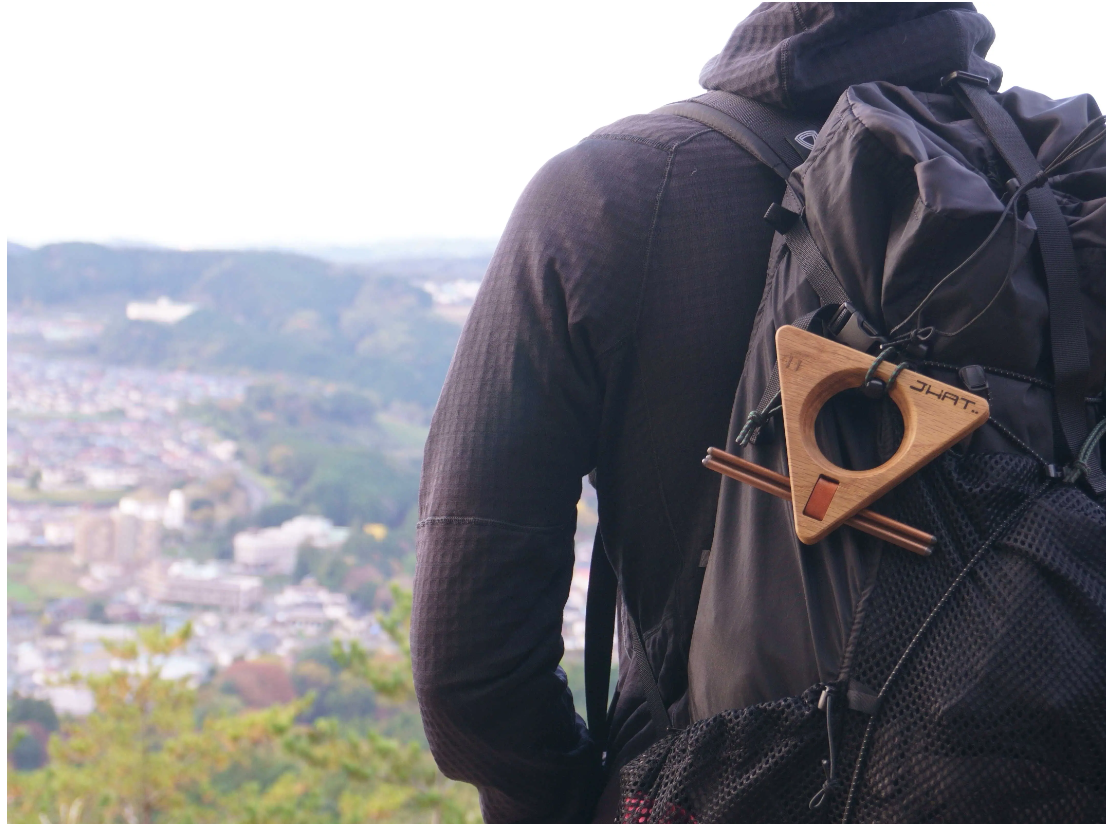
<point x="632" y="332"/>
<point x="466" y="520"/>
<point x="670" y="146"/>
<point x="632" y="138"/>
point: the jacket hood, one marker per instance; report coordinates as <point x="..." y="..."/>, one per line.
<point x="802" y="56"/>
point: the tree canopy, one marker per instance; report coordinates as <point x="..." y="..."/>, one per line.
<point x="147" y="755"/>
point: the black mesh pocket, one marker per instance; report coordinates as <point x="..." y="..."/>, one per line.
<point x="760" y="763"/>
<point x="998" y="713"/>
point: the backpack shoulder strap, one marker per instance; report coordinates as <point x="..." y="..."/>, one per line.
<point x="599" y="619"/>
<point x="778" y="139"/>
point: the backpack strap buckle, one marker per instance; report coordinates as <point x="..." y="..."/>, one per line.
<point x="849" y="327"/>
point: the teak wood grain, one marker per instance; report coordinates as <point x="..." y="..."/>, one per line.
<point x="812" y="370"/>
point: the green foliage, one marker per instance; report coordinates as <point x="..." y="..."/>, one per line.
<point x="320" y="654"/>
<point x="310" y="445"/>
<point x="148" y="755"/>
<point x="283" y="406"/>
<point x="364" y="595"/>
<point x="21" y="710"/>
<point x="275" y="514"/>
<point x="29" y="720"/>
<point x="340" y="695"/>
<point x="139" y="757"/>
<point x="397" y="547"/>
<point x="25" y="751"/>
<point x="346" y="484"/>
<point x="391" y="678"/>
<point x="327" y="567"/>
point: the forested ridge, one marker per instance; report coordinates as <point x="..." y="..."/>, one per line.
<point x="275" y="312"/>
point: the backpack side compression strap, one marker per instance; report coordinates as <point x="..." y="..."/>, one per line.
<point x="1070" y="354"/>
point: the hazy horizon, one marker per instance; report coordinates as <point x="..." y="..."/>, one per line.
<point x="383" y="250"/>
<point x="261" y="126"/>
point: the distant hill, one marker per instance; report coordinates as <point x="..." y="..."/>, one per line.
<point x="266" y="311"/>
<point x="424" y="249"/>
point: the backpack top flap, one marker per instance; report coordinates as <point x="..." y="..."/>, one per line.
<point x="908" y="200"/>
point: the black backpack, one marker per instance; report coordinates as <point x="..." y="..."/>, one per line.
<point x="962" y="234"/>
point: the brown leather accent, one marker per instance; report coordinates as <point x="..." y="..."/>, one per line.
<point x="818" y="503"/>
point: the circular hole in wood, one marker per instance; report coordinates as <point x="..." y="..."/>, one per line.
<point x="856" y="432"/>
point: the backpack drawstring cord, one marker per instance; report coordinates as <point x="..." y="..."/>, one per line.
<point x="1079" y="467"/>
<point x="755" y="421"/>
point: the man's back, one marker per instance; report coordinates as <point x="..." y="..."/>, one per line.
<point x="609" y="335"/>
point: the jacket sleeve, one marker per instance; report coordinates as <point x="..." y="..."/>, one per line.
<point x="513" y="433"/>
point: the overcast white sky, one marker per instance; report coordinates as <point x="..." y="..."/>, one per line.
<point x="242" y="124"/>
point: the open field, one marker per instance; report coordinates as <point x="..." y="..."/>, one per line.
<point x="37" y="576"/>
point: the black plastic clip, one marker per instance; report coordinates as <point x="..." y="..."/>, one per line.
<point x="966" y="77"/>
<point x="780" y="218"/>
<point x="974" y="379"/>
<point x="849" y="327"/>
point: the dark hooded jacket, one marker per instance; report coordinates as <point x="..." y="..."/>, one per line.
<point x="608" y="337"/>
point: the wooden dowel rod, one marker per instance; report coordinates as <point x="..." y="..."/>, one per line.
<point x="891" y="536"/>
<point x="768" y="474"/>
<point x="762" y="484"/>
<point x="898" y="526"/>
<point x="860" y="521"/>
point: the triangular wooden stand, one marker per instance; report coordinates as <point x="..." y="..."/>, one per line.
<point x="812" y="370"/>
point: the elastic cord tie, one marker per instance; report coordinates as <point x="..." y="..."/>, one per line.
<point x="872" y="386"/>
<point x="895" y="374"/>
<point x="754" y="421"/>
<point x="751" y="423"/>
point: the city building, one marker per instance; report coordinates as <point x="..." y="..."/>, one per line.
<point x="94" y="538"/>
<point x="58" y="533"/>
<point x="204" y="585"/>
<point x="118" y="537"/>
<point x="274" y="550"/>
<point x="19" y="533"/>
<point x="176" y="510"/>
<point x="163" y="310"/>
<point x="309" y="606"/>
<point x="137" y="540"/>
